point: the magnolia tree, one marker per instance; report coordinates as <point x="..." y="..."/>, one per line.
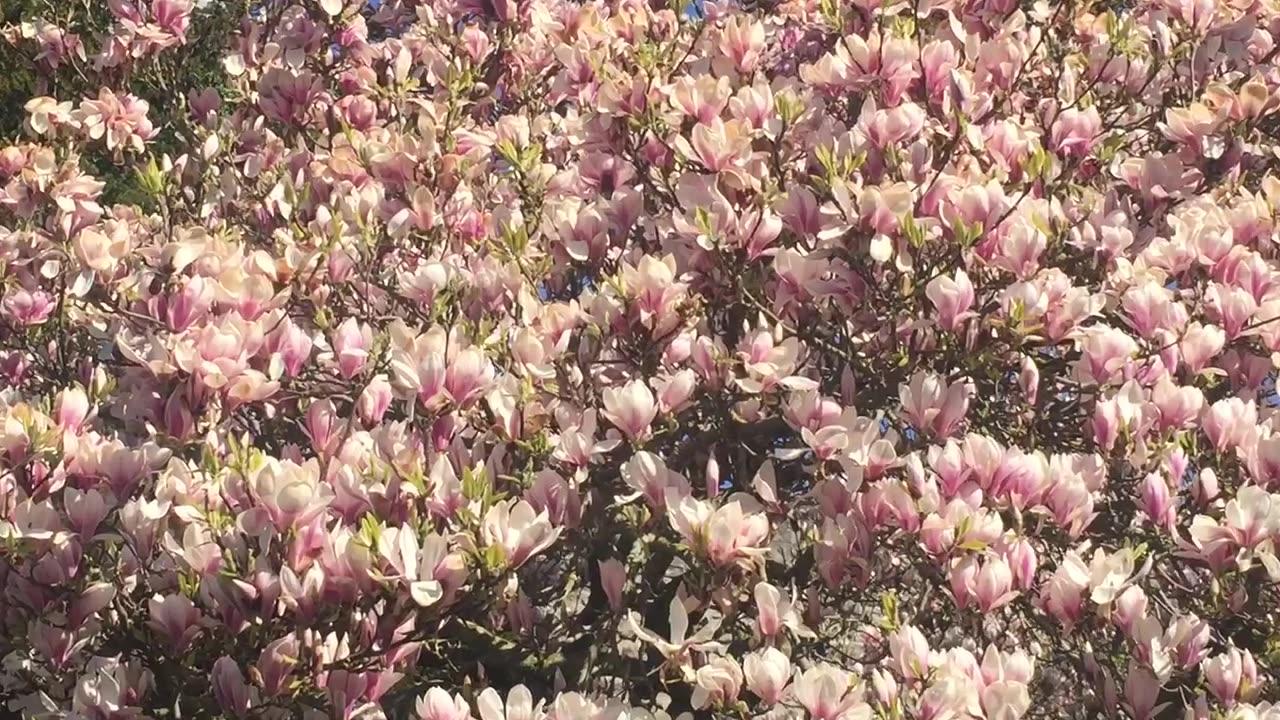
<point x="554" y="360"/>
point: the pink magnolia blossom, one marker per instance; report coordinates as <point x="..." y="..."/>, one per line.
<point x="175" y="619"/>
<point x="22" y="308"/>
<point x="290" y="494"/>
<point x="717" y="683"/>
<point x="767" y="674"/>
<point x="953" y="298"/>
<point x="351" y="345"/>
<point x="520" y="531"/>
<point x="829" y="693"/>
<point x="631" y="408"/>
<point x="1075" y="132"/>
<point x="233" y="692"/>
<point x="733" y="533"/>
<point x="437" y="704"/>
<point x="121" y="121"/>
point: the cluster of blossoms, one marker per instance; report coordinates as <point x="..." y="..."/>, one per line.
<point x="557" y="360"/>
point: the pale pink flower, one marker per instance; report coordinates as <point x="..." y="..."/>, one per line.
<point x="1223" y="674"/>
<point x="776" y="612"/>
<point x="1106" y="353"/>
<point x="829" y="693"/>
<point x="952" y="298"/>
<point x="885" y="687"/>
<point x="909" y="651"/>
<point x="767" y="674"/>
<point x="742" y="40"/>
<point x="1229" y="422"/>
<point x="234" y="694"/>
<point x="519" y="530"/>
<point x="85" y="510"/>
<point x="175" y="619"/>
<point x="468" y="376"/>
<point x="675" y="391"/>
<point x="1142" y="693"/>
<point x="22" y="308"/>
<point x="425" y="567"/>
<point x="1005" y="700"/>
<point x="703" y="98"/>
<point x="374" y="400"/>
<point x="290" y="494"/>
<point x="438" y="704"/>
<point x="930" y="404"/>
<point x="557" y="497"/>
<point x="290" y="346"/>
<point x="1129" y="608"/>
<point x="1155" y="500"/>
<point x="351" y="345"/>
<point x="1064" y="594"/>
<point x="518" y="706"/>
<point x="72" y="409"/>
<point x="1075" y="132"/>
<point x="630" y="408"/>
<point x="1029" y="379"/>
<point x="717" y="145"/>
<point x="121" y="121"/>
<point x="734" y="533"/>
<point x="288" y="97"/>
<point x="1200" y="344"/>
<point x="717" y="683"/>
<point x="1177" y="407"/>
